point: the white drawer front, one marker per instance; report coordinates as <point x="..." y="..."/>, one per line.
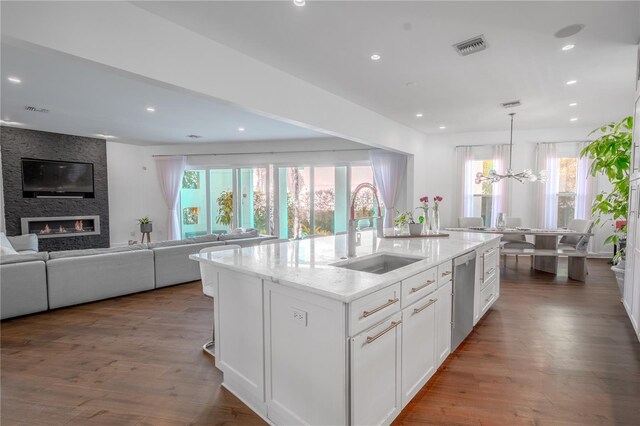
<point x="418" y="286"/>
<point x="445" y="272"/>
<point x="489" y="265"/>
<point x="371" y="309"/>
<point x="488" y="295"/>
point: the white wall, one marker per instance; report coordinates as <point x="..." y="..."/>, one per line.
<point x="436" y="173"/>
<point x="134" y="189"/>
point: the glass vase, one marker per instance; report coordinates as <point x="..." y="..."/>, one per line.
<point x="426" y="225"/>
<point x="435" y="222"/>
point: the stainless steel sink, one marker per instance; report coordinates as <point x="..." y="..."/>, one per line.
<point x="378" y="264"/>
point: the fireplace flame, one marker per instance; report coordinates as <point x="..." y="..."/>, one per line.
<point x="78" y="226"/>
<point x="46" y="229"/>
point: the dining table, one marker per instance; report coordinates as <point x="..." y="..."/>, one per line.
<point x="546" y="251"/>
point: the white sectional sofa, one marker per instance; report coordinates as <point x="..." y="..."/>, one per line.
<point x="23" y="284"/>
<point x="34" y="282"/>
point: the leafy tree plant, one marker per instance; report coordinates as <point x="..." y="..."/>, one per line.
<point x="225" y="208"/>
<point x="611" y="155"/>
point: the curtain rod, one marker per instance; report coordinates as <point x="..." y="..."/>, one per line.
<point x="501" y="144"/>
<point x="261" y="153"/>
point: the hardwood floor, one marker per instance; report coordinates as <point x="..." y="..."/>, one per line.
<point x="551" y="351"/>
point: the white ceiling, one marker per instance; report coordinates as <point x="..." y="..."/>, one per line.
<point x="329" y="44"/>
<point x="86" y="99"/>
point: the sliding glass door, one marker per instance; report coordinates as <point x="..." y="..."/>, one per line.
<point x="193" y="203"/>
<point x="221" y="195"/>
<point x="252" y="205"/>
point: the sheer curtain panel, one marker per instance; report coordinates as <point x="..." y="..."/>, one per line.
<point x="585" y="185"/>
<point x="389" y="169"/>
<point x="548" y="192"/>
<point x="464" y="161"/>
<point x="170" y="171"/>
<point x="501" y="190"/>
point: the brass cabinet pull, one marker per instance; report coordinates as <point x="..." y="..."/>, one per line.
<point x="414" y="289"/>
<point x="445" y="273"/>
<point x="431" y="302"/>
<point x="379" y="308"/>
<point x="393" y="325"/>
<point x="490" y="271"/>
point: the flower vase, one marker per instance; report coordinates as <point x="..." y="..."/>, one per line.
<point x="426" y="225"/>
<point x="435" y="222"/>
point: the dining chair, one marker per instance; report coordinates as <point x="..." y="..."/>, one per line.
<point x="208" y="285"/>
<point x="467" y="222"/>
<point x="515" y="241"/>
<point x="274" y="241"/>
<point x="577" y="242"/>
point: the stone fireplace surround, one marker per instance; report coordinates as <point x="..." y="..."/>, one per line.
<point x="25" y="143"/>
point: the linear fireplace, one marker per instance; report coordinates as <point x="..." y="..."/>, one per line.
<point x="61" y="226"/>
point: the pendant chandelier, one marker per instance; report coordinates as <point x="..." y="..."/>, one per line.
<point x="526" y="174"/>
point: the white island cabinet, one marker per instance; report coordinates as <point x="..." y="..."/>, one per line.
<point x="301" y="340"/>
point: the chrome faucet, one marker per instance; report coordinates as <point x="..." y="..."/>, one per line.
<point x="352" y="229"/>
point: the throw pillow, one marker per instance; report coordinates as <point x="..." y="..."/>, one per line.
<point x="5" y="245"/>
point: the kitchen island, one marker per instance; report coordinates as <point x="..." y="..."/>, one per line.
<point x="305" y="335"/>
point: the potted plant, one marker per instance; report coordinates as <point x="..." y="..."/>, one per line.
<point x="611" y="155"/>
<point x="145" y="225"/>
<point x="406" y="218"/>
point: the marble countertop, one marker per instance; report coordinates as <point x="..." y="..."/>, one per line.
<point x="307" y="264"/>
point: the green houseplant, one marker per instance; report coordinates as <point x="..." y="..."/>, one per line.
<point x="225" y="208"/>
<point x="611" y="156"/>
<point x="145" y="224"/>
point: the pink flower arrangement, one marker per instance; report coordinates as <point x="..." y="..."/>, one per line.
<point x="437" y="198"/>
<point x="436" y="202"/>
<point x="424" y="199"/>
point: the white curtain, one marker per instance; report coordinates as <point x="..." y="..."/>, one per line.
<point x="389" y="170"/>
<point x="548" y="192"/>
<point x="170" y="171"/>
<point x="466" y="180"/>
<point x="500" y="194"/>
<point x="585" y="186"/>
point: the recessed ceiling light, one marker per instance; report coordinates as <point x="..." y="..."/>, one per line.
<point x="573" y="119"/>
<point x="443" y="127"/>
<point x="573" y="104"/>
<point x="569" y="31"/>
<point x="411" y="84"/>
<point x="568" y="47"/>
<point x="104" y="136"/>
<point x="151" y="109"/>
<point x="299" y="2"/>
<point x="14" y="80"/>
<point x="570" y="82"/>
<point x="375" y="57"/>
<point x="419" y="115"/>
<point x="241" y="129"/>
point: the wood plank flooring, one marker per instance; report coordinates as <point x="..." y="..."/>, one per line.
<point x="551" y="351"/>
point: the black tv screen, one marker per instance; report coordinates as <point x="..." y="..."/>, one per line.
<point x="44" y="178"/>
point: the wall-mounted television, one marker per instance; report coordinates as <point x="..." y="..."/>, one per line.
<point x="56" y="179"/>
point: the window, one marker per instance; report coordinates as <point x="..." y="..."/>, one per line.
<point x="567" y="189"/>
<point x="293" y="202"/>
<point x="221" y="195"/>
<point x="253" y="208"/>
<point x="482" y="192"/>
<point x="193" y="203"/>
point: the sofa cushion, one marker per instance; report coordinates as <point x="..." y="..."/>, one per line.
<point x="241" y="235"/>
<point x="5" y="245"/>
<point x="91" y="252"/>
<point x="27" y="242"/>
<point x="203" y="239"/>
<point x="19" y="258"/>
<point x="168" y="243"/>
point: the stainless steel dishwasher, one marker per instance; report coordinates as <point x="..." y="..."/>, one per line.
<point x="464" y="278"/>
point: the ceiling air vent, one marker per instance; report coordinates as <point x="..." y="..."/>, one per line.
<point x="511" y="104"/>
<point x="470" y="46"/>
<point x="36" y="109"/>
<point x="194" y="136"/>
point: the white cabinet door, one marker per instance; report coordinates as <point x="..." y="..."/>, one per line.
<point x="418" y="346"/>
<point x="375" y="373"/>
<point x="443" y="322"/>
